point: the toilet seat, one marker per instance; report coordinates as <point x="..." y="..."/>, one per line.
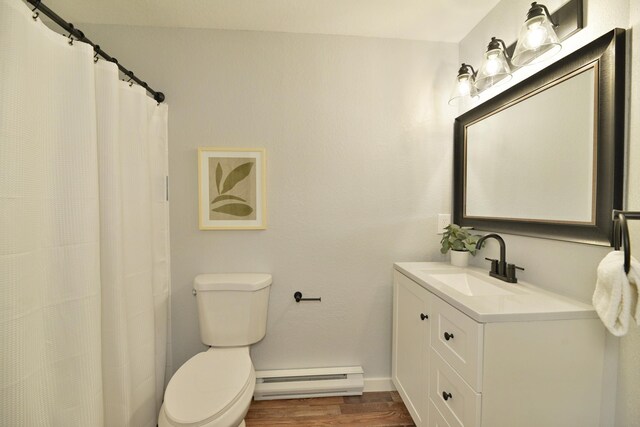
<point x="208" y="385"/>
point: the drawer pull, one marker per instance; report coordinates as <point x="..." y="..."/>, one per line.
<point x="446" y="396"/>
<point x="448" y="336"/>
<point x="424" y="316"/>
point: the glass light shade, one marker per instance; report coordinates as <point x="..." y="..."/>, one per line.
<point x="537" y="37"/>
<point x="494" y="69"/>
<point x="463" y="86"/>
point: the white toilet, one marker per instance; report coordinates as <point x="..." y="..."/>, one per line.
<point x="214" y="388"/>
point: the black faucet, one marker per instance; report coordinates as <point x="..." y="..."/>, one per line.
<point x="499" y="268"/>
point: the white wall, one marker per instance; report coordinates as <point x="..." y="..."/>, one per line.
<point x="560" y="266"/>
<point x="358" y="137"/>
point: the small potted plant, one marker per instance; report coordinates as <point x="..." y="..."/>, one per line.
<point x="461" y="243"/>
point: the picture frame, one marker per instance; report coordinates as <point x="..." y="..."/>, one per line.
<point x="231" y="188"/>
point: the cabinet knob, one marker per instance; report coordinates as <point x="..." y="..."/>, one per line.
<point x="448" y="336"/>
<point x="424" y="316"/>
<point x="446" y="396"/>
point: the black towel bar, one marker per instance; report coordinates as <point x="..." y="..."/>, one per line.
<point x="621" y="232"/>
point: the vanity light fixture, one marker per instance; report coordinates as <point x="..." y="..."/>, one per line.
<point x="537" y="37"/>
<point x="464" y="86"/>
<point x="495" y="67"/>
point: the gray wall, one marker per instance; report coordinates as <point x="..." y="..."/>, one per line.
<point x="566" y="267"/>
<point x="358" y="137"/>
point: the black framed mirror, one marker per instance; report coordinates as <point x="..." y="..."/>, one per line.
<point x="545" y="157"/>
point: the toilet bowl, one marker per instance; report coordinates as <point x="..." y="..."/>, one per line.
<point x="215" y="388"/>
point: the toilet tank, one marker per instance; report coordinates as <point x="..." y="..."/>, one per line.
<point x="232" y="308"/>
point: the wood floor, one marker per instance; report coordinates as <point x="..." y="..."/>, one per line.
<point x="370" y="409"/>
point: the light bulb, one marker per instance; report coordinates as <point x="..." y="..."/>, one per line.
<point x="492" y="65"/>
<point x="464" y="86"/>
<point x="536" y="35"/>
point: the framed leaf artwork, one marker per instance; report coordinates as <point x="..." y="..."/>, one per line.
<point x="231" y="188"/>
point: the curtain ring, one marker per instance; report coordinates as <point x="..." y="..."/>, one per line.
<point x="35" y="13"/>
<point x="71" y="28"/>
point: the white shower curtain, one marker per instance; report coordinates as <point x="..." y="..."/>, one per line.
<point x="134" y="241"/>
<point x="84" y="271"/>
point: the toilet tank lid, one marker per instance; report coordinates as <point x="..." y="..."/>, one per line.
<point x="231" y="281"/>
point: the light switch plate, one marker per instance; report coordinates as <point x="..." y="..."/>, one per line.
<point x="443" y="221"/>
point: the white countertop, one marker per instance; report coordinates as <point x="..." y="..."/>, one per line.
<point x="524" y="302"/>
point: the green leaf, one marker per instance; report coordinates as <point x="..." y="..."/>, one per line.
<point x="227" y="197"/>
<point x="218" y="176"/>
<point x="471" y="247"/>
<point x="235" y="209"/>
<point x="458" y="239"/>
<point x="236" y="175"/>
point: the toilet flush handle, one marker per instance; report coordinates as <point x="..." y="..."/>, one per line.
<point x="194" y="292"/>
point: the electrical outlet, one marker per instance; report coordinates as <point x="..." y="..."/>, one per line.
<point x="443" y="221"/>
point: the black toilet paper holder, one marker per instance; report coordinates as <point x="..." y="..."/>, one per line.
<point x="298" y="297"/>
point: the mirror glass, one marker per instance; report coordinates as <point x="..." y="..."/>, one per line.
<point x="532" y="160"/>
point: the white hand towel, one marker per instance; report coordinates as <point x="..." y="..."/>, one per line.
<point x="612" y="297"/>
<point x="634" y="281"/>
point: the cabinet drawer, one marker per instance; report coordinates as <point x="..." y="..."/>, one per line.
<point x="435" y="417"/>
<point x="458" y="339"/>
<point x="458" y="403"/>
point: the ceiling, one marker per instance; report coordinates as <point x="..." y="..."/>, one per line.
<point x="434" y="20"/>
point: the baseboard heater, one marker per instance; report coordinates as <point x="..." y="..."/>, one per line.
<point x="301" y="383"/>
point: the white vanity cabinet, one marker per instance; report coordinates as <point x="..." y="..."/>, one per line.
<point x="514" y="366"/>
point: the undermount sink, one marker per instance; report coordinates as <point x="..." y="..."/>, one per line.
<point x="469" y="284"/>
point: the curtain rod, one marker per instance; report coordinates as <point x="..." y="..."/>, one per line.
<point x="79" y="35"/>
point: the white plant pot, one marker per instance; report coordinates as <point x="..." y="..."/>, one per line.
<point x="460" y="258"/>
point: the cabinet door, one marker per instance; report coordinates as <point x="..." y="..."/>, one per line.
<point x="411" y="335"/>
